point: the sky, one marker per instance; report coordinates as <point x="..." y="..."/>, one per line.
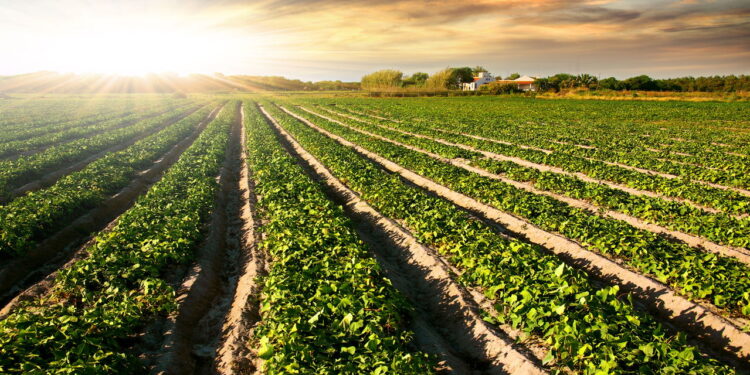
<point x="345" y="39"/>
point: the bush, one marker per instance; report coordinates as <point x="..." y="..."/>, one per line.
<point x="497" y="88"/>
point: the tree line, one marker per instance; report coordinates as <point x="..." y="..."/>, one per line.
<point x="452" y="78"/>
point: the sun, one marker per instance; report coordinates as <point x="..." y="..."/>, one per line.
<point x="135" y="51"/>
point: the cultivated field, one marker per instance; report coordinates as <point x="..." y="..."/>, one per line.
<point x="329" y="235"/>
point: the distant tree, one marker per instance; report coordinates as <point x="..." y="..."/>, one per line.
<point x="478" y="69"/>
<point x="513" y="76"/>
<point x="382" y="80"/>
<point x="542" y="84"/>
<point x="642" y="82"/>
<point x="560" y="81"/>
<point x="464" y="74"/>
<point x="446" y="79"/>
<point x="416" y="79"/>
<point x="586" y="80"/>
<point x="611" y="83"/>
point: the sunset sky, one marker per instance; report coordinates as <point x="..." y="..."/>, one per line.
<point x="344" y="39"/>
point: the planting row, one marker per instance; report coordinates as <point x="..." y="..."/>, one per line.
<point x="705" y="276"/>
<point x="726" y="200"/>
<point x="31" y="218"/>
<point x="718" y="227"/>
<point x="14" y="173"/>
<point x="587" y="329"/>
<point x="52" y="119"/>
<point x="83" y="129"/>
<point x="675" y="131"/>
<point x="91" y="316"/>
<point x="326" y="306"/>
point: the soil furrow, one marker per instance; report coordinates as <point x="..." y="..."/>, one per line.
<point x="217" y="309"/>
<point x="234" y="355"/>
<point x="19" y="276"/>
<point x="448" y="321"/>
<point x="740" y="254"/>
<point x="698" y="320"/>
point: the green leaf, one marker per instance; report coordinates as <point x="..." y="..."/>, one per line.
<point x="560" y="269"/>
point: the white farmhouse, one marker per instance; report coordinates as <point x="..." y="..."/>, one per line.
<point x="484" y="78"/>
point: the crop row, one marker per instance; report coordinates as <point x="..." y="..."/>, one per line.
<point x="54" y="122"/>
<point x="30" y="218"/>
<point x="94" y="309"/>
<point x="718" y="227"/>
<point x="326" y="306"/>
<point x="80" y="131"/>
<point x="586" y="328"/>
<point x="576" y="129"/>
<point x="694" y="273"/>
<point x="725" y="200"/>
<point x="14" y="173"/>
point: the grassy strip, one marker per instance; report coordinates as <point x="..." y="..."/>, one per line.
<point x="589" y="329"/>
<point x="327" y="308"/>
<point x="95" y="307"/>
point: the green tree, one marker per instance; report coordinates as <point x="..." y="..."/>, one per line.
<point x="416" y="79"/>
<point x="464" y="74"/>
<point x="611" y="83"/>
<point x="513" y="76"/>
<point x="641" y="82"/>
<point x="586" y="80"/>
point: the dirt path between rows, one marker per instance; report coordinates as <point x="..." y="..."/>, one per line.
<point x="50" y="178"/>
<point x="740" y="254"/>
<point x="32" y="274"/>
<point x="217" y="300"/>
<point x="582" y="176"/>
<point x="698" y="320"/>
<point x="234" y="356"/>
<point x="448" y="321"/>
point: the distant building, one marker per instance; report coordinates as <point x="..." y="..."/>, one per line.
<point x="483" y="79"/>
<point x="525" y="83"/>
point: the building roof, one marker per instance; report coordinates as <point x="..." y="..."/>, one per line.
<point x="525" y="79"/>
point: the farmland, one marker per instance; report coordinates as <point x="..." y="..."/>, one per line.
<point x="337" y="234"/>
